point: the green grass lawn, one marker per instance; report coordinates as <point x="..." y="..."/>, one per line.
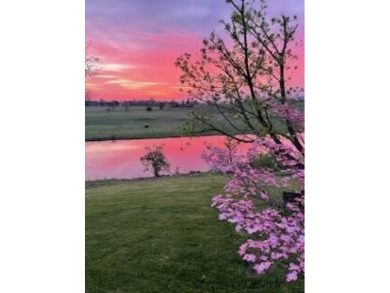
<point x="161" y="235"/>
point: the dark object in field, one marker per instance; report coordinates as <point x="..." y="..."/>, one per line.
<point x="174" y="104"/>
<point x="195" y="172"/>
<point x="149" y="108"/>
<point x="291" y="196"/>
<point x="108" y="110"/>
<point x="146" y="125"/>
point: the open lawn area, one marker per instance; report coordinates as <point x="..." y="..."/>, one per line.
<point x="161" y="235"/>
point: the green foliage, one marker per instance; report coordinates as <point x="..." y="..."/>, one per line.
<point x="266" y="161"/>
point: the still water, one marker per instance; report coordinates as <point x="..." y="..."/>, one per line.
<point x="121" y="159"/>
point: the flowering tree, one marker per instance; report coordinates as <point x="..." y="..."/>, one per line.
<point x="243" y="77"/>
<point x="276" y="225"/>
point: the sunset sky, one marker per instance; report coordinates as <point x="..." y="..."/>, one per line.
<point x="138" y="42"/>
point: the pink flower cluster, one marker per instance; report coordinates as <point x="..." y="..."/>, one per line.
<point x="276" y="228"/>
<point x="286" y="112"/>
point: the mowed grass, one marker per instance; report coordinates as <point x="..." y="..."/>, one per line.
<point x="161" y="235"/>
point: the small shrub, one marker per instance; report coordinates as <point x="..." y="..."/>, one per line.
<point x="149" y="108"/>
<point x="155" y="161"/>
<point x="177" y="171"/>
<point x="265" y="161"/>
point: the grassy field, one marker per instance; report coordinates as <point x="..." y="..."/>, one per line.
<point x="118" y="123"/>
<point x="161" y="235"/>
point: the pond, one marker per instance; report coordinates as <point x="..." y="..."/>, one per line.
<point x="120" y="159"/>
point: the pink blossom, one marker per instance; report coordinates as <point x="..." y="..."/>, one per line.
<point x="262" y="267"/>
<point x="278" y="230"/>
<point x="263" y="195"/>
<point x="293" y="276"/>
<point x="249" y="257"/>
<point x="293" y="267"/>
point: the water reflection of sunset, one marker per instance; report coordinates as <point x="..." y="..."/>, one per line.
<point x="121" y="159"/>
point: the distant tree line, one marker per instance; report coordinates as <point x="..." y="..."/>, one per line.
<point x="145" y="103"/>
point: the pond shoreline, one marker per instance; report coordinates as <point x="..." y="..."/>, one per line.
<point x="91" y="183"/>
<point x="114" y="138"/>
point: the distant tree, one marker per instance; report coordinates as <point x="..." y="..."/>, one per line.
<point x="188" y="103"/>
<point x="149" y="108"/>
<point x="91" y="67"/>
<point x="91" y="64"/>
<point x="114" y="104"/>
<point x="161" y="105"/>
<point x="155" y="161"/>
<point x="174" y="104"/>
